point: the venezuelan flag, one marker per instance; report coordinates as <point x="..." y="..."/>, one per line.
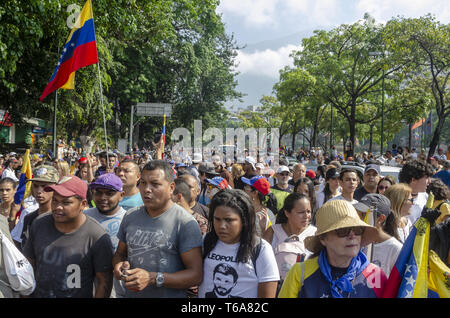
<point x="24" y="188"/>
<point x="79" y="51"/>
<point x="410" y="277"/>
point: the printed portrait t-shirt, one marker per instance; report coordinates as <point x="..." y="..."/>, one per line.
<point x="155" y="244"/>
<point x="66" y="263"/>
<point x="223" y="277"/>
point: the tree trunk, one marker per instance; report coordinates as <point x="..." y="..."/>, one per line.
<point x="294" y="132"/>
<point x="371" y="138"/>
<point x="409" y="137"/>
<point x="437" y="132"/>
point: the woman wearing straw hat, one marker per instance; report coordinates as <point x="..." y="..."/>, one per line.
<point x="337" y="268"/>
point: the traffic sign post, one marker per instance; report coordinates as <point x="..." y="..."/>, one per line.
<point x="148" y="109"/>
<point x="153" y="109"/>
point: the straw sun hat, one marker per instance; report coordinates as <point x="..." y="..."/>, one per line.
<point x="338" y="214"/>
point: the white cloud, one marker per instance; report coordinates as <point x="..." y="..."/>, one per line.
<point x="386" y="9"/>
<point x="265" y="63"/>
<point x="254" y="12"/>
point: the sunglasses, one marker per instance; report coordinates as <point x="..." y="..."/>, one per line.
<point x="344" y="232"/>
<point x="383" y="187"/>
<point x="411" y="200"/>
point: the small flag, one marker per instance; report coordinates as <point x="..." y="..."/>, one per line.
<point x="79" y="51"/>
<point x="24" y="188"/>
<point x="418" y="124"/>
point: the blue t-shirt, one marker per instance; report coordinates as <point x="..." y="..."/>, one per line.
<point x="131" y="201"/>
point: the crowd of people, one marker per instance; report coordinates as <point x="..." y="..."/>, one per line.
<point x="149" y="225"/>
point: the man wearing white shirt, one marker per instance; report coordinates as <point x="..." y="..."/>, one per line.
<point x="417" y="175"/>
<point x="348" y="180"/>
<point x="9" y="170"/>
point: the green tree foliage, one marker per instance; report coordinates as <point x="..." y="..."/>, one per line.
<point x="172" y="51"/>
<point x="422" y="46"/>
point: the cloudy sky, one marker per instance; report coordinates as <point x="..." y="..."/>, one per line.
<point x="269" y="30"/>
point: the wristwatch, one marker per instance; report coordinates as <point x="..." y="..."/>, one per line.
<point x="159" y="279"/>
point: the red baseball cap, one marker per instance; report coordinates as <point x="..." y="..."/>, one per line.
<point x="83" y="160"/>
<point x="259" y="183"/>
<point x="311" y="174"/>
<point x="69" y="187"/>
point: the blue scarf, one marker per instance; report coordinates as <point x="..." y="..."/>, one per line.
<point x="344" y="283"/>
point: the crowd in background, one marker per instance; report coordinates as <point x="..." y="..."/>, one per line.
<point x="232" y="208"/>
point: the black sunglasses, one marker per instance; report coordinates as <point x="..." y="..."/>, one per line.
<point x="344" y="232"/>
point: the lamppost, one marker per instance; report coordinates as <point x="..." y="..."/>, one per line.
<point x="331" y="130"/>
<point x="382" y="101"/>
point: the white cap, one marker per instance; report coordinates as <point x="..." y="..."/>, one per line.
<point x="251" y="161"/>
<point x="282" y="169"/>
<point x="259" y="165"/>
<point x="197" y="158"/>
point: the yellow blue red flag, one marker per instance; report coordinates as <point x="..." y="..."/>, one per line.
<point x="79" y="51"/>
<point x="24" y="188"/>
<point x="418" y="272"/>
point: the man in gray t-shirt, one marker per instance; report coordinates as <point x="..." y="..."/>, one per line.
<point x="159" y="252"/>
<point x="68" y="249"/>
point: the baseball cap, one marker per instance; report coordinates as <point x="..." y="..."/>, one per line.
<point x="83" y="160"/>
<point x="219" y="182"/>
<point x="373" y="166"/>
<point x="361" y="207"/>
<point x="282" y="169"/>
<point x="197" y="158"/>
<point x="107" y="181"/>
<point x="251" y="160"/>
<point x="331" y="173"/>
<point x="259" y="183"/>
<point x="259" y="165"/>
<point x="207" y="167"/>
<point x="69" y="187"/>
<point x="380" y="202"/>
<point x="311" y="174"/>
<point x="45" y="173"/>
<point x="178" y="165"/>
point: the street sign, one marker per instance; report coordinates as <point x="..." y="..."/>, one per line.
<point x="153" y="109"/>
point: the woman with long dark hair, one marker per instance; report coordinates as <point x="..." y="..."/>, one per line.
<point x="306" y="186"/>
<point x="293" y="223"/>
<point x="264" y="202"/>
<point x="331" y="189"/>
<point x="237" y="263"/>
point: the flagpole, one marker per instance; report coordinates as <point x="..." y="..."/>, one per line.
<point x="101" y="96"/>
<point x="54" y="119"/>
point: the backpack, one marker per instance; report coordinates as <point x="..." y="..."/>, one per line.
<point x="18" y="270"/>
<point x="288" y="252"/>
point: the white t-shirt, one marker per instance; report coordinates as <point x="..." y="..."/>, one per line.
<point x="340" y="197"/>
<point x="16" y="232"/>
<point x="320" y="197"/>
<point x="385" y="254"/>
<point x="234" y="279"/>
<point x="404" y="232"/>
<point x="416" y="208"/>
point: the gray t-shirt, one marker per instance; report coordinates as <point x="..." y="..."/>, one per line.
<point x="155" y="244"/>
<point x="111" y="223"/>
<point x="66" y="263"/>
